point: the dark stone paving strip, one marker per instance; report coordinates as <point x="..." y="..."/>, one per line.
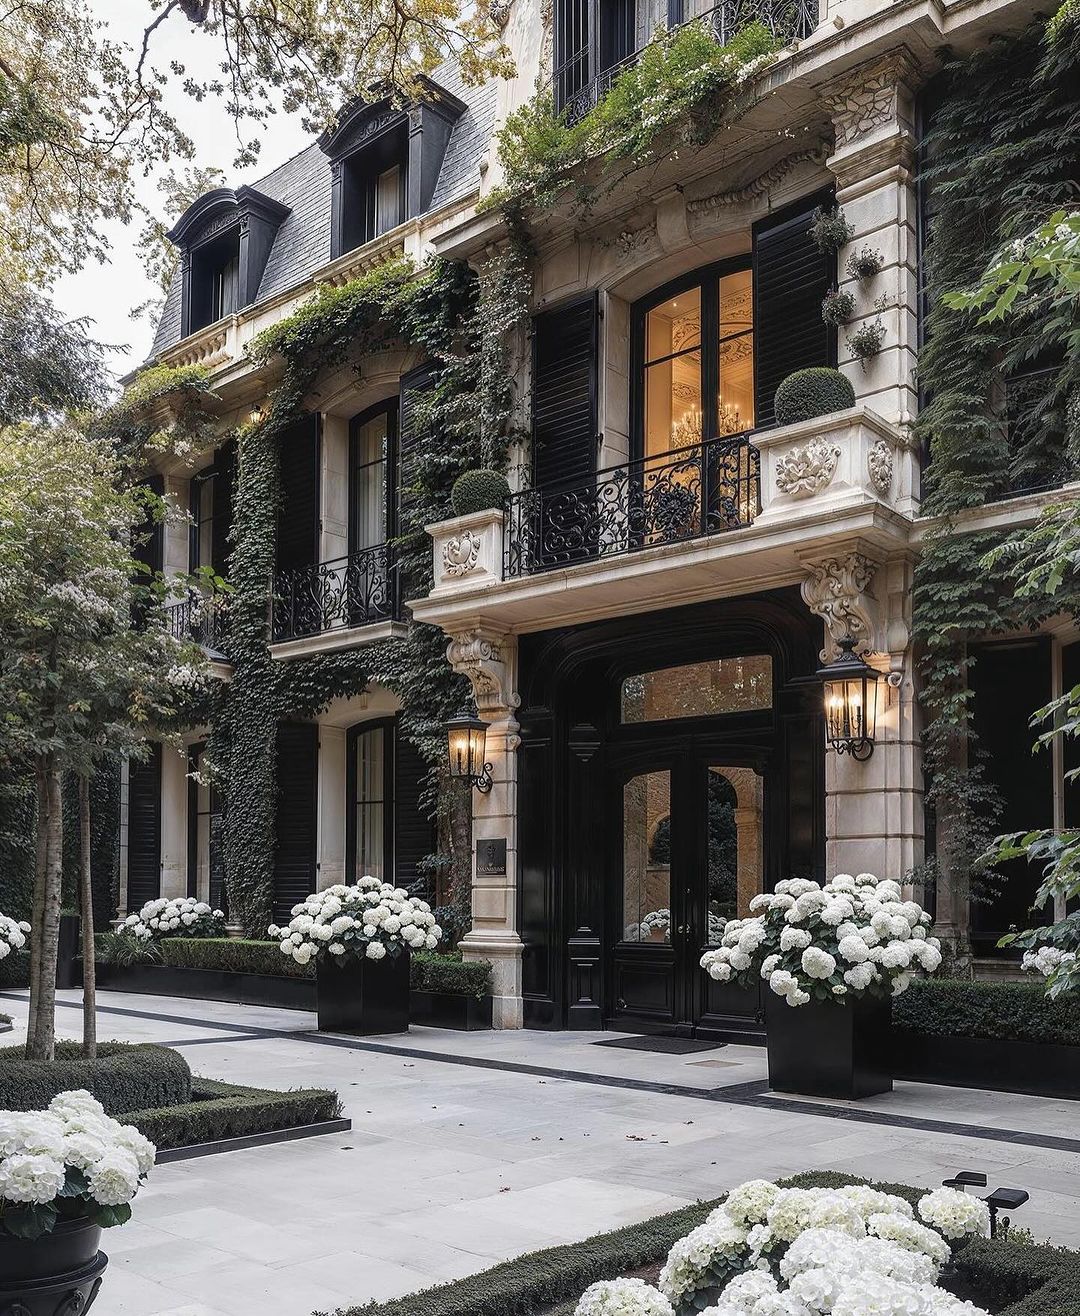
<point x="737" y="1094"/>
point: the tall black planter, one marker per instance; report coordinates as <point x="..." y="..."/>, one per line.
<point x="59" y="1272"/>
<point x="363" y="996"/>
<point x="68" y="952"/>
<point x="826" y="1050"/>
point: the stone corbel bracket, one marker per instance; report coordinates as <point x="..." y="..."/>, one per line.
<point x="486" y="659"/>
<point x="838" y="589"/>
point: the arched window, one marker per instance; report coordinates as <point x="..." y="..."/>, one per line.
<point x="694" y="359"/>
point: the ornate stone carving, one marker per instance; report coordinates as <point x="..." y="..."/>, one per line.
<point x="807" y="469"/>
<point x="757" y="186"/>
<point x="499" y="12"/>
<point x="872" y="95"/>
<point x="460" y="553"/>
<point x="837" y="589"/>
<point x="880" y="464"/>
<point x="481" y="659"/>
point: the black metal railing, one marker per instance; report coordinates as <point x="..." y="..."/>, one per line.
<point x="201" y="618"/>
<point x="788" y="20"/>
<point x="332" y="596"/>
<point x="664" y="499"/>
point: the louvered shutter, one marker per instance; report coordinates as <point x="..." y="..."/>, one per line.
<point x="298" y="517"/>
<point x="295" y="822"/>
<point x="414" y="833"/>
<point x="144" y="830"/>
<point x="791" y="278"/>
<point x="564" y="393"/>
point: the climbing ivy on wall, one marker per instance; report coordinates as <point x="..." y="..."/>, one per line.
<point x="1003" y="153"/>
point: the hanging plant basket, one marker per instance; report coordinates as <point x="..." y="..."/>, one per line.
<point x="59" y="1272"/>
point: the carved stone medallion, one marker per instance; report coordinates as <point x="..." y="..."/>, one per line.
<point x="460" y="553"/>
<point x="880" y="464"/>
<point x="807" y="469"/>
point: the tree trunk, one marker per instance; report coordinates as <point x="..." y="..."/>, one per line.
<point x="43" y="1045"/>
<point x="86" y="911"/>
<point x="37" y="914"/>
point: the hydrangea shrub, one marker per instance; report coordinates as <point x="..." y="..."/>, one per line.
<point x="185" y="917"/>
<point x="12" y="935"/>
<point x="855" y="936"/>
<point x="369" y="920"/>
<point x="772" y="1251"/>
<point x="68" y="1162"/>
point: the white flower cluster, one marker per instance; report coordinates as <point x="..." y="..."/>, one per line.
<point x="368" y="919"/>
<point x="658" y="920"/>
<point x="622" y="1297"/>
<point x="853" y="935"/>
<point x="174" y="918"/>
<point x="772" y="1251"/>
<point x="1047" y="960"/>
<point x="75" y="1147"/>
<point x="12" y="935"/>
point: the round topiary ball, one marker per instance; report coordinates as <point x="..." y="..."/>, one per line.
<point x="805" y="394"/>
<point x="476" y="491"/>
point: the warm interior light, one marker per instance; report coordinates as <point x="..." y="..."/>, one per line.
<point x="466" y="740"/>
<point x="850" y="702"/>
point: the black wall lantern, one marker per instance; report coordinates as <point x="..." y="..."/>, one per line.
<point x="466" y="737"/>
<point x="851" y="696"/>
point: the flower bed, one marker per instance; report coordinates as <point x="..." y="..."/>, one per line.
<point x="163" y="918"/>
<point x="124" y="1077"/>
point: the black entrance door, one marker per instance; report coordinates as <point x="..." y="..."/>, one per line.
<point x="688" y="824"/>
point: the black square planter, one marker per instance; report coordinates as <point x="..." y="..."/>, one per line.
<point x="826" y="1050"/>
<point x="363" y="996"/>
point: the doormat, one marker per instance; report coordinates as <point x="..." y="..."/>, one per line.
<point x="670" y="1046"/>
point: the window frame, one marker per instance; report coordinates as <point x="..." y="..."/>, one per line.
<point x="391" y="408"/>
<point x="388" y="727"/>
<point x="708" y="278"/>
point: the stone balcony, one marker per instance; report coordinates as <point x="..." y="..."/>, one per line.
<point x="724" y="518"/>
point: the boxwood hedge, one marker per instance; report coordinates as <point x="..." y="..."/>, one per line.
<point x="124" y="1077"/>
<point x="1006" y="1011"/>
<point x="226" y="1110"/>
<point x="232" y="955"/>
<point x="15" y="969"/>
<point x="432" y="972"/>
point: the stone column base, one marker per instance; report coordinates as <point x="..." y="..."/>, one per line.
<point x="503" y="949"/>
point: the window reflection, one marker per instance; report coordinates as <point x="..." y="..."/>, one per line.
<point x="370" y="804"/>
<point x="734" y="844"/>
<point x="647" y="858"/>
<point x="721" y="685"/>
<point x="735" y="392"/>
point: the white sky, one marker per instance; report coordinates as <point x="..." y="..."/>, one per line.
<point x="107" y="293"/>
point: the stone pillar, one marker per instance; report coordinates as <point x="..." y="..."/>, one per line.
<point x="330" y="829"/>
<point x="873" y="809"/>
<point x="489" y="659"/>
<point x="873" y="114"/>
<point x="174" y="822"/>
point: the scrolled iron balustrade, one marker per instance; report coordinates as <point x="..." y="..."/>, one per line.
<point x="665" y="499"/>
<point x="331" y="596"/>
<point x="199" y="618"/>
<point x="787" y="20"/>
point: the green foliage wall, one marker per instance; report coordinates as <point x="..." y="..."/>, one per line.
<point x="1003" y="153"/>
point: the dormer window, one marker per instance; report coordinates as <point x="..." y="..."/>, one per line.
<point x="225" y="238"/>
<point x="385" y="162"/>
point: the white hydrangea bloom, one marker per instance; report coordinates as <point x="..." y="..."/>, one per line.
<point x="623" y="1297"/>
<point x="955" y="1214"/>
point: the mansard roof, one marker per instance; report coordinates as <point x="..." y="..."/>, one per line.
<point x="302" y="184"/>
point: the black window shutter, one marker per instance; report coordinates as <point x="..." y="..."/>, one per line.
<point x="298" y="517"/>
<point x="414" y="833"/>
<point x="295" y="821"/>
<point x="791" y="278"/>
<point x="223" y="497"/>
<point x="144" y="830"/>
<point x="564" y="394"/>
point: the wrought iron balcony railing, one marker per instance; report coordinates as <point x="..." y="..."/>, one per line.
<point x="199" y="618"/>
<point x="663" y="499"/>
<point x="788" y="20"/>
<point x="332" y="596"/>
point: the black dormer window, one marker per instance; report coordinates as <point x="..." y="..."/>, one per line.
<point x="225" y="238"/>
<point x="385" y="163"/>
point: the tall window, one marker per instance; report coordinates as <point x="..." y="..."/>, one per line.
<point x="206" y="868"/>
<point x="372" y="802"/>
<point x="374" y="437"/>
<point x="389" y="199"/>
<point x="373" y="183"/>
<point x="696" y="360"/>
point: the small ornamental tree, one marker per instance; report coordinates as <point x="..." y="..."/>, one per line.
<point x="88" y="665"/>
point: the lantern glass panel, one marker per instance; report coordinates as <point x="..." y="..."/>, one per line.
<point x="466" y="741"/>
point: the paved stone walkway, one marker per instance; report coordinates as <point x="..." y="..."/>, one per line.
<point x="467" y="1149"/>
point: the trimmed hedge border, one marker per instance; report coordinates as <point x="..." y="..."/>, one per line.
<point x="1033" y="1279"/>
<point x="125" y="1077"/>
<point x="558" y="1274"/>
<point x="449" y="974"/>
<point x="227" y="1110"/>
<point x="231" y="955"/>
<point x="996" y="1011"/>
<point x="15" y="969"/>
